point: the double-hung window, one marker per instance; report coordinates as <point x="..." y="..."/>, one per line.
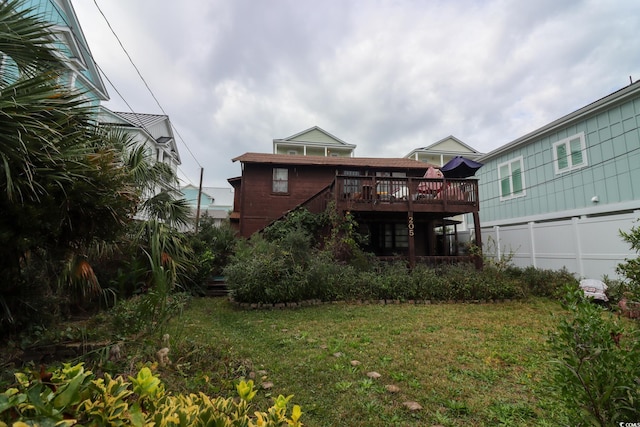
<point x="280" y="180"/>
<point x="511" y="178"/>
<point x="570" y="153"/>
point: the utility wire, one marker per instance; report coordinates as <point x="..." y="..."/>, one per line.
<point x="143" y="79"/>
<point x="88" y="52"/>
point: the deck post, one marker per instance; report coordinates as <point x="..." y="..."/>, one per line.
<point x="412" y="243"/>
<point x="476" y="227"/>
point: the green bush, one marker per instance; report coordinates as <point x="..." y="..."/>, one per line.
<point x="616" y="290"/>
<point x="213" y="247"/>
<point x="541" y="282"/>
<point x="328" y="280"/>
<point x="146" y="312"/>
<point x="630" y="268"/>
<point x="286" y="263"/>
<point x="596" y="364"/>
<point x="298" y="220"/>
<point x="261" y="272"/>
<point x="264" y="272"/>
<point x="73" y="395"/>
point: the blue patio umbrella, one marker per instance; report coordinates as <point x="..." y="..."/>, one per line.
<point x="460" y="167"/>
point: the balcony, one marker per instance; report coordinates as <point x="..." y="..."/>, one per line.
<point x="393" y="194"/>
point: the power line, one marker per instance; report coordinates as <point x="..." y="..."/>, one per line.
<point x="143" y="79"/>
<point x="88" y="52"/>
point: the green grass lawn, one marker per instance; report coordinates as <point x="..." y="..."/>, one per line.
<point x="465" y="364"/>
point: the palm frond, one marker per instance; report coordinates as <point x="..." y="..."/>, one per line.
<point x="166" y="208"/>
<point x="27" y="40"/>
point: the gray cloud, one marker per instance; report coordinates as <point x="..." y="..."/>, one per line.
<point x="389" y="76"/>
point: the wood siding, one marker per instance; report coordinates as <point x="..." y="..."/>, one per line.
<point x="259" y="205"/>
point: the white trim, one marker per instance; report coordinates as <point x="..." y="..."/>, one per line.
<point x="511" y="195"/>
<point x="598" y="210"/>
<point x="567" y="143"/>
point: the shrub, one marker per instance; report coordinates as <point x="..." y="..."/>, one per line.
<point x="630" y="268"/>
<point x="213" y="246"/>
<point x="541" y="282"/>
<point x="297" y="220"/>
<point x="261" y="271"/>
<point x="328" y="280"/>
<point x="74" y="395"/>
<point x="597" y="364"/>
<point x="616" y="289"/>
<point x="148" y="312"/>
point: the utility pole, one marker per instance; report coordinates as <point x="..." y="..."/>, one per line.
<point x="199" y="198"/>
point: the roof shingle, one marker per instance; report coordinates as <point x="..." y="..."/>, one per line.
<point x="372" y="162"/>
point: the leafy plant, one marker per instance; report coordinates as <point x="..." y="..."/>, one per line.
<point x="596" y="364"/>
<point x="630" y="268"/>
<point x="213" y="247"/>
<point x="73" y="395"/>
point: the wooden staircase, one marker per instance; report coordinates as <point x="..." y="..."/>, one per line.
<point x="216" y="287"/>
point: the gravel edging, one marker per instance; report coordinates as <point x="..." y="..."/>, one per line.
<point x="316" y="302"/>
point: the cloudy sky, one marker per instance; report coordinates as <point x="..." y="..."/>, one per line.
<point x="388" y="76"/>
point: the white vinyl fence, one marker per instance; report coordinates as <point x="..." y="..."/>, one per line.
<point x="589" y="247"/>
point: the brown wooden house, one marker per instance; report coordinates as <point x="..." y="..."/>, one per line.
<point x="392" y="202"/>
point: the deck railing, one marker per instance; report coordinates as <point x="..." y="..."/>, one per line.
<point x="363" y="189"/>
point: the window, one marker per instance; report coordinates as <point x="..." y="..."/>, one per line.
<point x="292" y="152"/>
<point x="511" y="179"/>
<point x="570" y="153"/>
<point x="280" y="180"/>
<point x="351" y="185"/>
<point x="396" y="236"/>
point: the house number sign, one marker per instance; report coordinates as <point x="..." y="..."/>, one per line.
<point x="411" y="226"/>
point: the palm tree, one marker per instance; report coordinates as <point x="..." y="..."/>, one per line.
<point x="69" y="191"/>
<point x="62" y="186"/>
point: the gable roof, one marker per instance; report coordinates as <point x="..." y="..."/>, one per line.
<point x="307" y="136"/>
<point x="68" y="27"/>
<point x="142" y="122"/>
<point x="433" y="148"/>
<point x="626" y="92"/>
<point x="140" y="119"/>
<point x="372" y="162"/>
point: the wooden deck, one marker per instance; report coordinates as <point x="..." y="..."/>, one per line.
<point x="384" y="194"/>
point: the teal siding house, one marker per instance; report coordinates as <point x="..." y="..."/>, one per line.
<point x="215" y="202"/>
<point x="83" y="72"/>
<point x="558" y="196"/>
<point x="153" y="131"/>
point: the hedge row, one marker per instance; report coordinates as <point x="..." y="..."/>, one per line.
<point x="272" y="279"/>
